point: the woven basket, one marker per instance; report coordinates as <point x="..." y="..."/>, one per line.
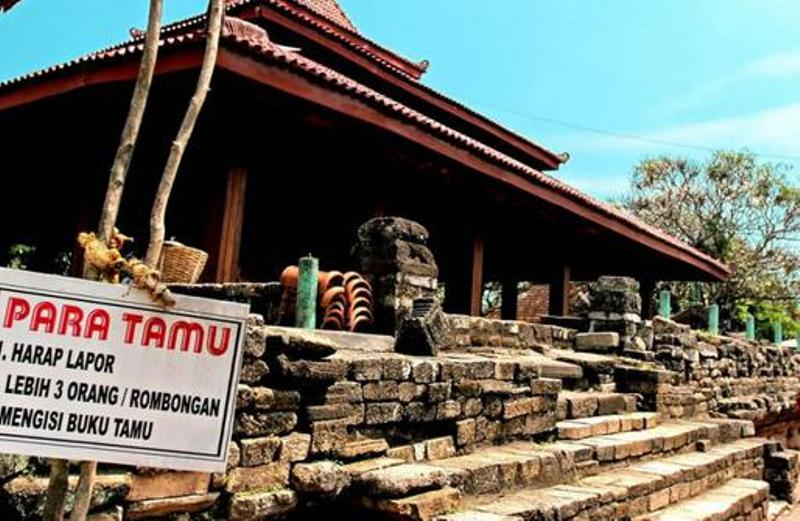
<point x="181" y="264"/>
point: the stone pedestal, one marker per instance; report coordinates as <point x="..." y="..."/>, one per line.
<point x="616" y="306"/>
<point x="395" y="259"/>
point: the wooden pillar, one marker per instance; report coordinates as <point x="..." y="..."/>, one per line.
<point x="646" y="289"/>
<point x="559" y="291"/>
<point x="476" y="285"/>
<point x="508" y="308"/>
<point x="232" y="221"/>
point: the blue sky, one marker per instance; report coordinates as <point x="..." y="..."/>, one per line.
<point x="702" y="73"/>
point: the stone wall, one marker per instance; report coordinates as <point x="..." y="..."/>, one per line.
<point x="696" y="374"/>
<point x="476" y="332"/>
<point x="329" y="398"/>
<point x="310" y="403"/>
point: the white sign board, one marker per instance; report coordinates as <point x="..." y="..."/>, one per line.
<point x="92" y="371"/>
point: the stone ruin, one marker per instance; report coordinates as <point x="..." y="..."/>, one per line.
<point x="396" y="260"/>
<point x="504" y="421"/>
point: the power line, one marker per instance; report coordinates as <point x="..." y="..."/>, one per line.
<point x="621" y="135"/>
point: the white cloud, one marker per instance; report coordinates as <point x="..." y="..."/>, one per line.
<point x="776" y="66"/>
<point x="780" y="65"/>
<point x="770" y="131"/>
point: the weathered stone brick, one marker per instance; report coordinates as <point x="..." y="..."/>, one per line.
<point x="344" y="392"/>
<point x="380" y="391"/>
<point x="451" y="370"/>
<point x="403" y="452"/>
<point x="424" y="371"/>
<point x="472" y="407"/>
<point x="504" y="370"/>
<point x="516" y="407"/>
<point x="354" y="412"/>
<point x="261" y="505"/>
<point x="266" y="399"/>
<point x="358" y="449"/>
<point x="257" y="451"/>
<point x="270" y="475"/>
<point x="315" y="370"/>
<point x="397" y="369"/>
<point x="438" y="392"/>
<point x="253" y="371"/>
<point x="254" y="344"/>
<point x="410" y="391"/>
<point x="383" y="412"/>
<point x="264" y="424"/>
<point x="469" y="388"/>
<point x="448" y="410"/>
<point x="327" y="435"/>
<point x="419" y="412"/>
<point x="541" y="386"/>
<point x="295" y="447"/>
<point x="367" y="369"/>
<point x="465" y="432"/>
<point x="439" y="448"/>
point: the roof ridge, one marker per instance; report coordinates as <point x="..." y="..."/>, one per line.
<point x="354" y="88"/>
<point x="350" y="26"/>
<point x="564" y="188"/>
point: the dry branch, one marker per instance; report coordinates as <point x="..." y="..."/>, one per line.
<point x="159" y="210"/>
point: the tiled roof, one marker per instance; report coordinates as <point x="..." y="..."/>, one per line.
<point x="331" y="10"/>
<point x="363" y="46"/>
<point x="368" y="95"/>
<point x="299" y="64"/>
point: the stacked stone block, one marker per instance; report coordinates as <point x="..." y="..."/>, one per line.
<point x="724" y="376"/>
<point x="616" y="306"/>
<point x="469" y="331"/>
<point x="334" y="404"/>
<point x="396" y="260"/>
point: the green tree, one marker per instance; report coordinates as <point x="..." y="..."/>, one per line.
<point x="739" y="210"/>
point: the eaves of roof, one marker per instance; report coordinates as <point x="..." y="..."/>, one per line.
<point x="270" y="54"/>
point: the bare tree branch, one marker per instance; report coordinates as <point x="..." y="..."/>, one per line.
<point x="159" y="210"/>
<point x="130" y="132"/>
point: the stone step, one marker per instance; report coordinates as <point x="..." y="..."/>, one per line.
<point x="383" y="485"/>
<point x="523" y="464"/>
<point x="736" y="499"/>
<point x="635" y="490"/>
<point x="597" y="369"/>
<point x="573" y="405"/>
<point x="581" y="428"/>
<point x="398" y="481"/>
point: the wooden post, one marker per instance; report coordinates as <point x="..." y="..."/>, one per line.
<point x="476" y="286"/>
<point x="508" y="308"/>
<point x="559" y="292"/>
<point x="232" y="220"/>
<point x="646" y="289"/>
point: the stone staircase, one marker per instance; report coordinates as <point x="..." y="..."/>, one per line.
<point x="626" y="465"/>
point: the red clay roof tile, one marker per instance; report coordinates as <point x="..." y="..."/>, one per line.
<point x="271" y="52"/>
<point x="331" y="10"/>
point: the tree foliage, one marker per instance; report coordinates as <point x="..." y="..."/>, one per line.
<point x="739" y="210"/>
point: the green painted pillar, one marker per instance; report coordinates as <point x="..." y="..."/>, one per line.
<point x="664" y="304"/>
<point x="305" y="315"/>
<point x="777" y="333"/>
<point x="797" y="343"/>
<point x="750" y="331"/>
<point x="713" y="319"/>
